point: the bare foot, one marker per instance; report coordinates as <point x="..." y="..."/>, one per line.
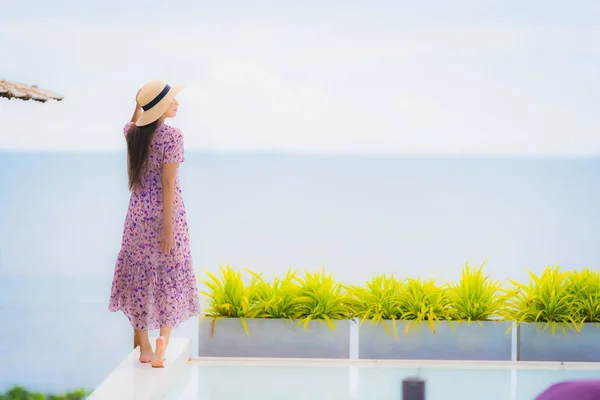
<point x="146" y="354"/>
<point x="159" y="356"/>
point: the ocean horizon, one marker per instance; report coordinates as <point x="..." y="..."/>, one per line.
<point x="357" y="216"/>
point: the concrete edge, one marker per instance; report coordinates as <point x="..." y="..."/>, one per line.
<point x="133" y="380"/>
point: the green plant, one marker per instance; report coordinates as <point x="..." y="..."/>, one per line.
<point x="79" y="394"/>
<point x="228" y="297"/>
<point x="546" y="299"/>
<point x="476" y="297"/>
<point x="424" y="300"/>
<point x="315" y="297"/>
<point x="276" y="299"/>
<point x="19" y="393"/>
<point x="380" y="300"/>
<point x="320" y="297"/>
<point x="555" y="298"/>
<point x="584" y="285"/>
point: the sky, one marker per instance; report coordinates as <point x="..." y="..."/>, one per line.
<point x="391" y="77"/>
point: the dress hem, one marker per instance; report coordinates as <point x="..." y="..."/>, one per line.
<point x="185" y="317"/>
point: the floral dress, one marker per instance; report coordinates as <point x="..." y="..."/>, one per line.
<point x="153" y="289"/>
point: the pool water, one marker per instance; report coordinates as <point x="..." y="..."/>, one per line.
<point x="317" y="381"/>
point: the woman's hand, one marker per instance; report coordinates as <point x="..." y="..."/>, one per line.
<point x="167" y="241"/>
<point x="138" y="108"/>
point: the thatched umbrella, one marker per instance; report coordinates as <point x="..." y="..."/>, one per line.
<point x="21" y="91"/>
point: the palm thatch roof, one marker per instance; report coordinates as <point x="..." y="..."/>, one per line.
<point x="22" y="91"/>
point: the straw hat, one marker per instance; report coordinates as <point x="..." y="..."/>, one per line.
<point x="155" y="97"/>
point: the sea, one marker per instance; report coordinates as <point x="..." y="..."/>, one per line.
<point x="62" y="215"/>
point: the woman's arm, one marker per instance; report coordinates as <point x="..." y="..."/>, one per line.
<point x="138" y="109"/>
<point x="169" y="174"/>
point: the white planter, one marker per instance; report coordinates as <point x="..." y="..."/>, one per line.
<point x="274" y="338"/>
<point x="537" y="344"/>
<point x="460" y="342"/>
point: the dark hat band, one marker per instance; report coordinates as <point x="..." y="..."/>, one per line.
<point x="157" y="99"/>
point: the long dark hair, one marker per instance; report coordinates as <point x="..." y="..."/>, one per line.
<point x="138" y="147"/>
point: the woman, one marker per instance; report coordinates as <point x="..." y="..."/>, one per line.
<point x="154" y="282"/>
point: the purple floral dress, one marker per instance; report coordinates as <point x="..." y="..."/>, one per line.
<point x="151" y="288"/>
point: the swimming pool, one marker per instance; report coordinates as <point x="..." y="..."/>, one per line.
<point x="188" y="378"/>
<point x="326" y="380"/>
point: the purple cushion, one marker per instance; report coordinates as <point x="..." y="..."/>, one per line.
<point x="571" y="390"/>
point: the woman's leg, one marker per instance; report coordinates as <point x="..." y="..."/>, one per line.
<point x="161" y="347"/>
<point x="145" y="346"/>
<point x="165" y="332"/>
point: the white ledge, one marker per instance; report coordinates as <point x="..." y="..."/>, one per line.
<point x="452" y="364"/>
<point x="134" y="380"/>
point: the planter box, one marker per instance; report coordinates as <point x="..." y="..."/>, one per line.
<point x="275" y="338"/>
<point x="460" y="342"/>
<point x="534" y="344"/>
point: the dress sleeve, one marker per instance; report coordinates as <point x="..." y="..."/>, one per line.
<point x="127" y="128"/>
<point x="173" y="147"/>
